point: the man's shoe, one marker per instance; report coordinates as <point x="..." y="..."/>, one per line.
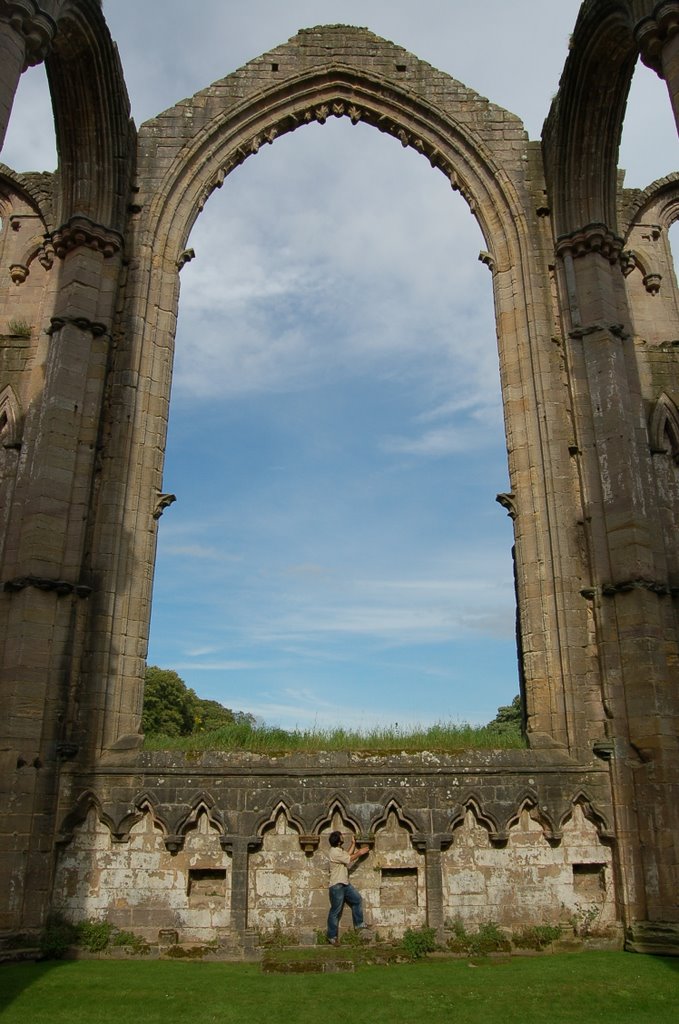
<point x="333" y="942"/>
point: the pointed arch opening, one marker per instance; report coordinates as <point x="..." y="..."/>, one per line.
<point x="336" y="445"/>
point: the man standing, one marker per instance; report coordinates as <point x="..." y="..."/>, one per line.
<point x="341" y="891"/>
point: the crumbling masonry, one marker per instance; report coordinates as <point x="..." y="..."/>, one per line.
<point x="586" y="820"/>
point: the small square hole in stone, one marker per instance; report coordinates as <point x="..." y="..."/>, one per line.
<point x="205" y="882"/>
<point x="589" y="879"/>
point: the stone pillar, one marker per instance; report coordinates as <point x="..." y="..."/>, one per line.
<point x="630" y="592"/>
<point x="431" y="846"/>
<point x="657" y="37"/>
<point x="44" y="596"/>
<point x="26" y="32"/>
<point x="239" y="849"/>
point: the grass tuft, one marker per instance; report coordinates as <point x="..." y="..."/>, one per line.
<point x="444" y="737"/>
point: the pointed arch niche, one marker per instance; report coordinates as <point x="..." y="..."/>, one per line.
<point x="187" y="153"/>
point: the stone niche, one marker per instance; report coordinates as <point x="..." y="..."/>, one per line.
<point x="288" y="889"/>
<point x="140" y="885"/>
<point x="531" y="879"/>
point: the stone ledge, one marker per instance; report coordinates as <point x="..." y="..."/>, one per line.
<point x="660" y="938"/>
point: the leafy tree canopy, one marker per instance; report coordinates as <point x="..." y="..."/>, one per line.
<point x="509" y="717"/>
<point x="171" y="708"/>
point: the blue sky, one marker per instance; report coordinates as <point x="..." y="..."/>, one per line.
<point x="336" y="555"/>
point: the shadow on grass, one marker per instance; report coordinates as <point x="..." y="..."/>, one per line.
<point x="15" y="978"/>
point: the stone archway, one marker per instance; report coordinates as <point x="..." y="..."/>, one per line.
<point x="485" y="160"/>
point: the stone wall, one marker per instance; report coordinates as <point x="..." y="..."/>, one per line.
<point x="221" y="845"/>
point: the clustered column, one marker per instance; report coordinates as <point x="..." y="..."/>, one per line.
<point x="26" y="32"/>
<point x="658" y="40"/>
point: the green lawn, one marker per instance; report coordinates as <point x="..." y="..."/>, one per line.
<point x="578" y="988"/>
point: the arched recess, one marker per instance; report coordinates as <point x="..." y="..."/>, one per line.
<point x="581" y="137"/>
<point x="647" y="260"/>
<point x="185" y="154"/>
<point x="10" y="418"/>
<point x="95" y="135"/>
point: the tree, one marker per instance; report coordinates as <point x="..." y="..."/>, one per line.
<point x="509" y="717"/>
<point x="172" y="709"/>
<point x="168" y="703"/>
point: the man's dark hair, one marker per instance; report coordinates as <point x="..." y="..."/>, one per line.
<point x="335" y="838"/>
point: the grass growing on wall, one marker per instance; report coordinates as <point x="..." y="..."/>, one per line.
<point x="574" y="988"/>
<point x="444" y="737"/>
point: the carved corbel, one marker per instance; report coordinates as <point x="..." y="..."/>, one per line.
<point x="508" y="502"/>
<point x="652" y="283"/>
<point x="174" y="843"/>
<point x="628" y="262"/>
<point x="164" y="501"/>
<point x="251" y="843"/>
<point x="188" y="254"/>
<point x="434" y="841"/>
<point x="309" y="844"/>
<point x="487" y="260"/>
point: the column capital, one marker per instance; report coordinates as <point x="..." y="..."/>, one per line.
<point x="651" y="33"/>
<point x="36" y="26"/>
<point x="81" y="231"/>
<point x="591" y="238"/>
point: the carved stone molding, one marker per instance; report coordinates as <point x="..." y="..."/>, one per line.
<point x="593" y="238"/>
<point x="651" y="34"/>
<point x="618" y="330"/>
<point x="95" y="328"/>
<point x="652" y="283"/>
<point x="81" y="231"/>
<point x="60" y="587"/>
<point x="34" y="24"/>
<point x="627" y="586"/>
<point x="66" y="750"/>
<point x="340" y="106"/>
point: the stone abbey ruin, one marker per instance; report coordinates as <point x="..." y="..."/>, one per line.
<point x="585" y="821"/>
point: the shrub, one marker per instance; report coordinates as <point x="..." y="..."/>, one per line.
<point x="94" y="936"/>
<point x="537" y="937"/>
<point x="276" y="937"/>
<point x="418" y="942"/>
<point x="487" y="939"/>
<point x="131" y="941"/>
<point x="19" y="329"/>
<point x="58" y="935"/>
